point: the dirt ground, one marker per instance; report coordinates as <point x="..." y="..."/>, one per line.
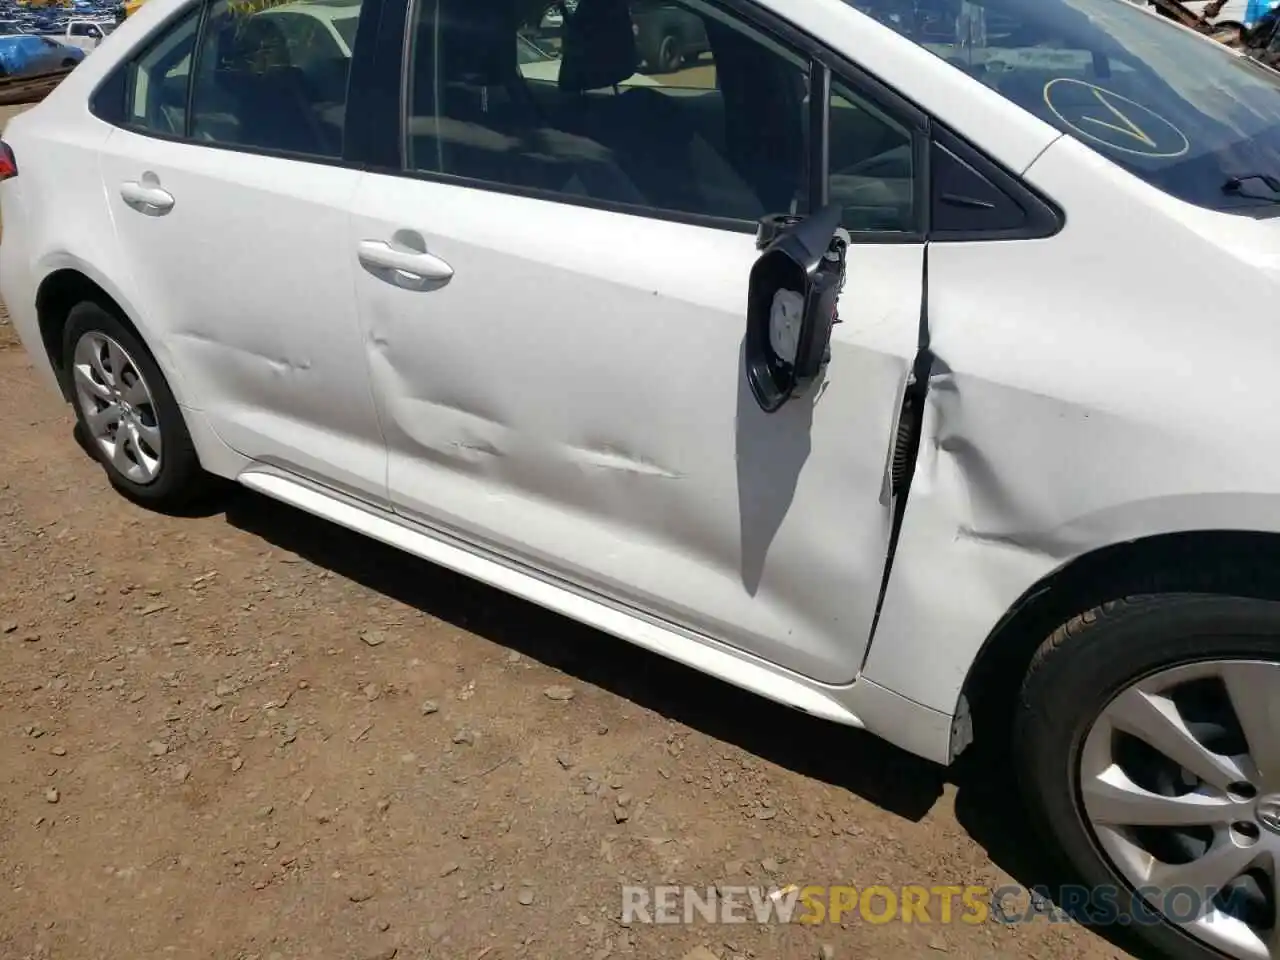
<point x="253" y="735"/>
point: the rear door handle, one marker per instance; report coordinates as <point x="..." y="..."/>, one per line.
<point x="145" y="197"/>
<point x="399" y="264"/>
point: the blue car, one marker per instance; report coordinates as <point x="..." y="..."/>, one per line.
<point x="24" y="55"/>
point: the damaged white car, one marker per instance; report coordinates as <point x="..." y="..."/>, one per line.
<point x="576" y="338"/>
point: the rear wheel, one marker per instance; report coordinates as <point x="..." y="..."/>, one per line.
<point x="1148" y="745"/>
<point x="126" y="412"/>
<point x="69" y="62"/>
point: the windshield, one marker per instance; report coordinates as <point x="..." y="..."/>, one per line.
<point x="1178" y="110"/>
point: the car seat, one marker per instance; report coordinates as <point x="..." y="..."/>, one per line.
<point x="270" y="97"/>
<point x="656" y="142"/>
<point x="472" y="115"/>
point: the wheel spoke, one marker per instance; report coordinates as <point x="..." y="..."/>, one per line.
<point x="120" y="457"/>
<point x="151" y="437"/>
<point x="1112" y="798"/>
<point x="85" y="381"/>
<point x="1254" y="689"/>
<point x="147" y="465"/>
<point x="118" y="362"/>
<point x="135" y="392"/>
<point x="95" y="360"/>
<point x="99" y="421"/>
<point x="1208" y="874"/>
<point x="1155" y="720"/>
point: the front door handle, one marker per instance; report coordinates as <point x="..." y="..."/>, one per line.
<point x="400" y="264"/>
<point x="147" y="196"/>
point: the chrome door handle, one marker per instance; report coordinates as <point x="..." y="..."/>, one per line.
<point x="148" y="198"/>
<point x="391" y="263"/>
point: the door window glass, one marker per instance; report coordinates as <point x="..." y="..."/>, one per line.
<point x="157" y="99"/>
<point x="674" y="106"/>
<point x="273" y="76"/>
<point x="872" y="166"/>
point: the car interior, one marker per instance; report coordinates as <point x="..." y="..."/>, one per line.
<point x="736" y="150"/>
<point x="474" y="115"/>
<point x="250" y="92"/>
<point x="734" y="147"/>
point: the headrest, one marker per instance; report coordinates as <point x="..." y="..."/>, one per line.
<point x="598" y="47"/>
<point x="476" y="41"/>
<point x="254" y="44"/>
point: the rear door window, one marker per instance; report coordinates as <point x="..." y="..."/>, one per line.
<point x="273" y="78"/>
<point x="269" y="75"/>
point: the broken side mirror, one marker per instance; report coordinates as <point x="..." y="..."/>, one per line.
<point x="791" y="306"/>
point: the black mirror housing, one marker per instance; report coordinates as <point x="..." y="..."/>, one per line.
<point x="791" y="306"/>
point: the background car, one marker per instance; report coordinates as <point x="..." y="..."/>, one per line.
<point x="25" y="55"/>
<point x="1232" y="14"/>
<point x="668" y="35"/>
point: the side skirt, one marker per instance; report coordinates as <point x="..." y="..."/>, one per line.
<point x="700" y="653"/>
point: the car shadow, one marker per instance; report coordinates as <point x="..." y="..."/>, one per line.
<point x="213" y="500"/>
<point x="986" y="801"/>
<point x="852" y="759"/>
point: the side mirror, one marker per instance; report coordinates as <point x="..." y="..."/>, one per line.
<point x="791" y="307"/>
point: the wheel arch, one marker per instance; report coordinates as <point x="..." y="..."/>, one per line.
<point x="67" y="281"/>
<point x="1236" y="562"/>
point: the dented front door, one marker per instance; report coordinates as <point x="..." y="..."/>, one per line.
<point x="564" y="387"/>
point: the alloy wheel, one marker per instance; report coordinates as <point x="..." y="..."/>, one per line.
<point x="117" y="407"/>
<point x="1180" y="783"/>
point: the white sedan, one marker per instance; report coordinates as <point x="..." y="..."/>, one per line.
<point x="576" y="337"/>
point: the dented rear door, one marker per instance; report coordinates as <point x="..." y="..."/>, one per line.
<point x="571" y="398"/>
<point x="244" y="277"/>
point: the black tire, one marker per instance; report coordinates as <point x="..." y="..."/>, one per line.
<point x="180" y="481"/>
<point x="69" y="62"/>
<point x="1075" y="673"/>
<point x="669" y="54"/>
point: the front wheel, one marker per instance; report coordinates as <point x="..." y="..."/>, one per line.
<point x="127" y="414"/>
<point x="1147" y="741"/>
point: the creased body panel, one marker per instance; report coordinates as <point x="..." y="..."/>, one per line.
<point x="1068" y="412"/>
<point x="574" y="399"/>
<point x="247" y="283"/>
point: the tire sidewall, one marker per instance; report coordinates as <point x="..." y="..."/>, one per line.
<point x="1064" y="696"/>
<point x="669" y="53"/>
<point x="89" y="317"/>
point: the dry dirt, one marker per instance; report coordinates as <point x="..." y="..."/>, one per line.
<point x="253" y="735"/>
